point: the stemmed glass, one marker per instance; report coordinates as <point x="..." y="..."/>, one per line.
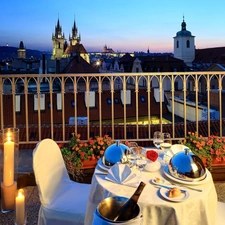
<point x="157" y="139"/>
<point x="135" y="149"/>
<point x="166" y="146"/>
<point x="133" y="154"/>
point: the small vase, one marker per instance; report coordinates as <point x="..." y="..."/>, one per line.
<point x="152" y="166"/>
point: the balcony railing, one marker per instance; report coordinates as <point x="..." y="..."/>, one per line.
<point x="126" y="106"/>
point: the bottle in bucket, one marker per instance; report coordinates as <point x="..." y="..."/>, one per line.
<point x="127" y="209"/>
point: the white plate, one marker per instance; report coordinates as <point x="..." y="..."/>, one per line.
<point x="205" y="180"/>
<point x="154" y="181"/>
<point x="182" y="197"/>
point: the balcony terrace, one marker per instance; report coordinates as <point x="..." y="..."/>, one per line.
<point x="124" y="106"/>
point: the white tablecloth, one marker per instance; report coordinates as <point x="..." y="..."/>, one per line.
<point x="198" y="209"/>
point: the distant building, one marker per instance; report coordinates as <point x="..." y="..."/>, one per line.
<point x="21" y="51"/>
<point x="107" y="50"/>
<point x="205" y="58"/>
<point x="184" y="45"/>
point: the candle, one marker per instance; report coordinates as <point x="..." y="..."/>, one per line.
<point x="8" y="169"/>
<point x="20" y="208"/>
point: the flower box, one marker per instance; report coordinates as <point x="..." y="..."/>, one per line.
<point x="79" y="155"/>
<point x="89" y="163"/>
<point x="210" y="149"/>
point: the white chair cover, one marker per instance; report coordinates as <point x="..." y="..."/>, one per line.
<point x="62" y="200"/>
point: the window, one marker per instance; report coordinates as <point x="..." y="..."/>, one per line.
<point x="142" y="99"/>
<point x="59" y="101"/>
<point x="188" y="44"/>
<point x="18" y="100"/>
<point x="177" y="44"/>
<point x="42" y="102"/>
<point x="116" y="101"/>
<point x="109" y="102"/>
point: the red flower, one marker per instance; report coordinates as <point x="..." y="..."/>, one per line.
<point x="60" y="145"/>
<point x="82" y="154"/>
<point x="152" y="155"/>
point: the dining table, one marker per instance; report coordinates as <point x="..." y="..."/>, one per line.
<point x="196" y="207"/>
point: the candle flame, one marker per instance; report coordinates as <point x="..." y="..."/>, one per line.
<point x="9" y="136"/>
<point x="20" y="192"/>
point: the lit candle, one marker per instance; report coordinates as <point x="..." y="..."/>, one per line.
<point x="8" y="176"/>
<point x="20" y="208"/>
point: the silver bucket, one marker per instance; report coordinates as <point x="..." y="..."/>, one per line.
<point x="109" y="208"/>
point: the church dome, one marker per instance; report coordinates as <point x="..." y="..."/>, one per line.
<point x="183" y="31"/>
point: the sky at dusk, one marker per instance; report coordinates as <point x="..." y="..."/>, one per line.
<point x="123" y="25"/>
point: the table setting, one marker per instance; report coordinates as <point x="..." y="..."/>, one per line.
<point x="168" y="191"/>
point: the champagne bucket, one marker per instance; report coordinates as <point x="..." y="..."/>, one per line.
<point x="109" y="208"/>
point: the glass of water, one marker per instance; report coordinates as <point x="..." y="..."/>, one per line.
<point x="166" y="146"/>
<point x="140" y="163"/>
<point x="157" y="139"/>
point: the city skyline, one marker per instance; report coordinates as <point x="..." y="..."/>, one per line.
<point x="123" y="25"/>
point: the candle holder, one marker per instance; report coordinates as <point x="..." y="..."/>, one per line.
<point x="9" y="149"/>
<point x="20" y="210"/>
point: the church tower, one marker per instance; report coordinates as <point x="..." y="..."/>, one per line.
<point x="21" y="51"/>
<point x="75" y="38"/>
<point x="184" y="45"/>
<point x="58" y="40"/>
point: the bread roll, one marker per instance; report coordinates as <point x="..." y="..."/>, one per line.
<point x="174" y="192"/>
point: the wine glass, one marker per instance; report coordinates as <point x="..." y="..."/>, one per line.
<point x="132" y="156"/>
<point x="157" y="139"/>
<point x="135" y="149"/>
<point x="166" y="146"/>
<point x="140" y="163"/>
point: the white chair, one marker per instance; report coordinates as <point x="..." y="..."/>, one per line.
<point x="220" y="213"/>
<point x="62" y="200"/>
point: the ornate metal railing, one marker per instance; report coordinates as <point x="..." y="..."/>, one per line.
<point x="121" y="105"/>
